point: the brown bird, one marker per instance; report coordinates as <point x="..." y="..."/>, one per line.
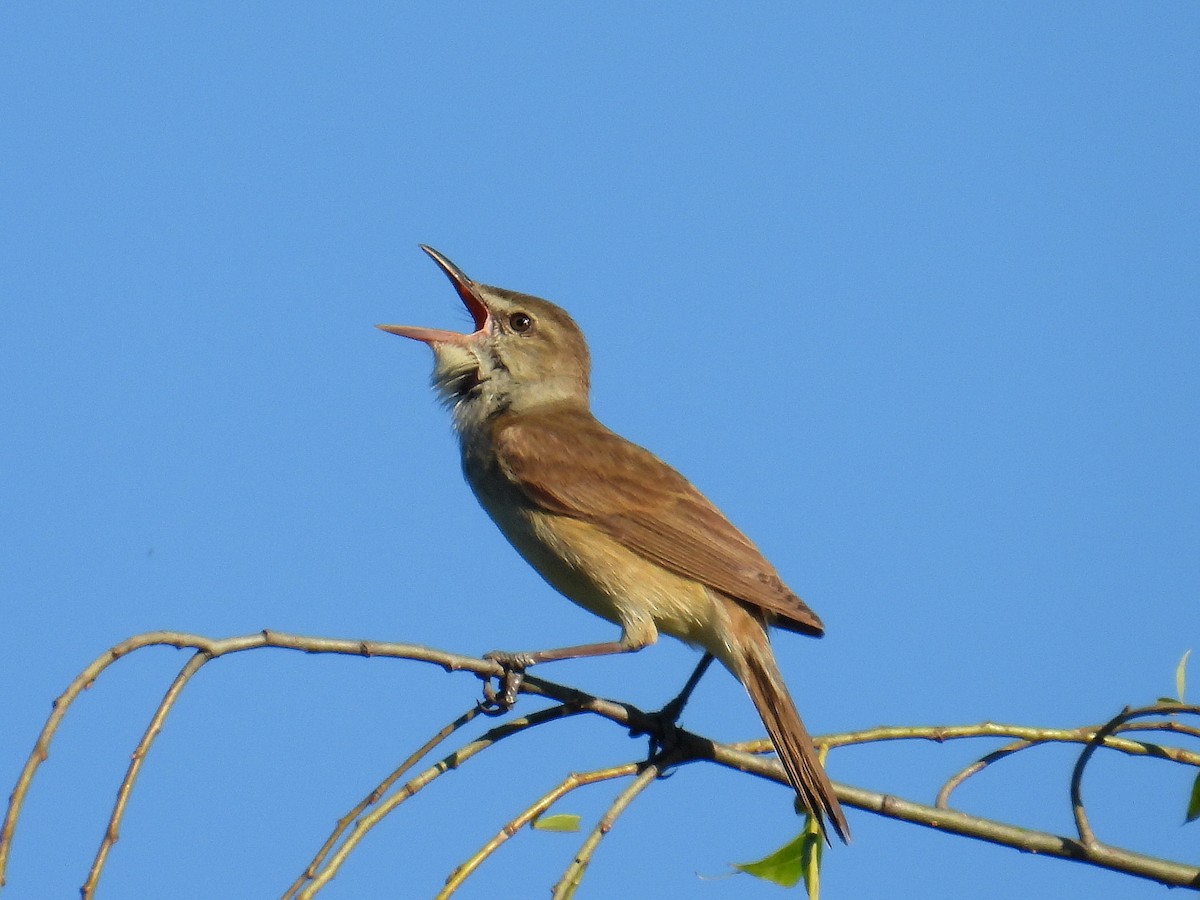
<point x="606" y="523"/>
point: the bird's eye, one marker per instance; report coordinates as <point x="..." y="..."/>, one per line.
<point x="520" y="322"/>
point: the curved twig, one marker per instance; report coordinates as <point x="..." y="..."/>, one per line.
<point x="112" y="832"/>
<point x="1027" y="840"/>
<point x="574" y="872"/>
<point x="942" y="733"/>
<point x="1086" y="836"/>
<point x="1088" y="733"/>
<point x="373" y="797"/>
<point x="689" y="747"/>
<point x="943" y="796"/>
<point x="212" y="648"/>
<point x="365" y="823"/>
<point x="529" y="814"/>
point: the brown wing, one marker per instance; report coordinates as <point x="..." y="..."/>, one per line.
<point x="637" y="499"/>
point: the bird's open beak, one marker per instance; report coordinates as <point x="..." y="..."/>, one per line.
<point x="469" y="295"/>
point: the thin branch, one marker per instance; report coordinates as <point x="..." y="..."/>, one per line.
<point x="954" y="822"/>
<point x="410" y="788"/>
<point x="1087" y="734"/>
<point x="943" y="796"/>
<point x="112" y="832"/>
<point x="1086" y="836"/>
<point x="574" y="872"/>
<point x="211" y="648"/>
<point x="1028" y="840"/>
<point x="942" y="733"/>
<point x="689" y="747"/>
<point x="373" y="797"/>
<point x="529" y="814"/>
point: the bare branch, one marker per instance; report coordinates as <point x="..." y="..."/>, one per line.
<point x="1086" y="837"/>
<point x="954" y="822"/>
<point x="211" y="649"/>
<point x="1081" y="735"/>
<point x="574" y="872"/>
<point x="686" y="747"/>
<point x="365" y="823"/>
<point x="943" y="797"/>
<point x="112" y="832"/>
<point x="373" y="797"/>
<point x="528" y="815"/>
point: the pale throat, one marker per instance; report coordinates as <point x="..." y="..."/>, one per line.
<point x="500" y="393"/>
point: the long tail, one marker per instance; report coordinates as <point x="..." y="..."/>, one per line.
<point x="795" y="749"/>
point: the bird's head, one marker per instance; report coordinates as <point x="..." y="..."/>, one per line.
<point x="524" y="353"/>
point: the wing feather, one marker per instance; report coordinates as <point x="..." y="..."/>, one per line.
<point x="637" y="499"/>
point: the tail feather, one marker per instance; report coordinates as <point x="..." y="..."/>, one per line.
<point x="793" y="745"/>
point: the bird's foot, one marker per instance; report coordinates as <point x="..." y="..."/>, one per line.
<point x="500" y="699"/>
<point x="661" y="728"/>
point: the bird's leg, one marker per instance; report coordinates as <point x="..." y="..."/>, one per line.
<point x="673" y="710"/>
<point x="660" y="726"/>
<point x="499" y="701"/>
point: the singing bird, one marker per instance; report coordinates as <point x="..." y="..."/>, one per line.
<point x="607" y="523"/>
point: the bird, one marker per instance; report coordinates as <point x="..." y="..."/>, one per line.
<point x="607" y="523"/>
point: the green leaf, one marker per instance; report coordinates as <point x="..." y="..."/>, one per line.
<point x="557" y="822"/>
<point x="1193" y="810"/>
<point x="1181" y="675"/>
<point x="787" y="865"/>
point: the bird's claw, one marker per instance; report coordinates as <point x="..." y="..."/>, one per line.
<point x="499" y="700"/>
<point x="661" y="730"/>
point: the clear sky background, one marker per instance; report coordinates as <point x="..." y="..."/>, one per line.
<point x="911" y="291"/>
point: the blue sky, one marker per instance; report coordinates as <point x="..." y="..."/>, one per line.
<point x="910" y="290"/>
